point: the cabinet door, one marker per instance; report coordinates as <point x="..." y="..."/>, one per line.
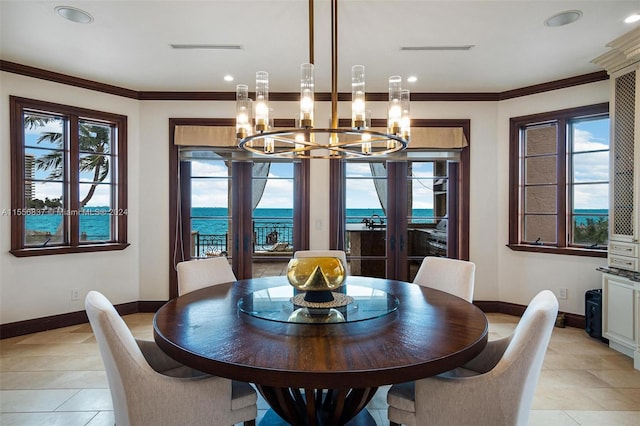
<point x="619" y="311"/>
<point x="623" y="126"/>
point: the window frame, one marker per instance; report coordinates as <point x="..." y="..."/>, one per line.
<point x="563" y="119"/>
<point x="72" y="115"/>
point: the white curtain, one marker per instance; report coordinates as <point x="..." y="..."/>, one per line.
<point x="380" y="170"/>
<point x="260" y="170"/>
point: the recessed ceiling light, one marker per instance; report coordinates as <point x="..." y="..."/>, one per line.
<point x="563" y="18"/>
<point x="632" y="18"/>
<point x="412" y="79"/>
<point x="74" y="15"/>
<point x="228" y="77"/>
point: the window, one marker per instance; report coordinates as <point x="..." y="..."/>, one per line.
<point x="68" y="179"/>
<point x="559" y="181"/>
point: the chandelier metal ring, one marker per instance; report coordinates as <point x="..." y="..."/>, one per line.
<point x="253" y="121"/>
<point x="378" y="143"/>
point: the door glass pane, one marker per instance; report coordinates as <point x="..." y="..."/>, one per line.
<point x="210" y="220"/>
<point x="272" y="199"/>
<point x="427" y="223"/>
<point x="365" y="201"/>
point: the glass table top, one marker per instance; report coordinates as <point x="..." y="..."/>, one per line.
<point x="356" y="303"/>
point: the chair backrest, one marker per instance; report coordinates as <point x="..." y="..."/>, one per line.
<point x="524" y="356"/>
<point x="323" y="253"/>
<point x="451" y="275"/>
<point x="196" y="274"/>
<point x="502" y="393"/>
<point x="121" y="355"/>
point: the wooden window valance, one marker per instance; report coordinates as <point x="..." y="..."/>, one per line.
<point x="225" y="136"/>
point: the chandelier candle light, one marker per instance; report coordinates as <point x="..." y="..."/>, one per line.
<point x="301" y="142"/>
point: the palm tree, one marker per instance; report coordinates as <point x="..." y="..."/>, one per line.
<point x="94" y="143"/>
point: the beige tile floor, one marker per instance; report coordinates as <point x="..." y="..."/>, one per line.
<point x="57" y="378"/>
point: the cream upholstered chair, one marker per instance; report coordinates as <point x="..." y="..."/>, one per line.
<point x="495" y="388"/>
<point x="196" y="274"/>
<point x="150" y="388"/>
<point x="323" y="253"/>
<point x="451" y="275"/>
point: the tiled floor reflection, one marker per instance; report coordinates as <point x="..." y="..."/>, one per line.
<point x="57" y="378"/>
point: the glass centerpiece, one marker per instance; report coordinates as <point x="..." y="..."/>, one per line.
<point x="316" y="276"/>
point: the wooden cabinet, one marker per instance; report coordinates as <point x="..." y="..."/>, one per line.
<point x="623" y="65"/>
<point x="624" y="175"/>
<point x="621" y="315"/>
<point x="620" y="286"/>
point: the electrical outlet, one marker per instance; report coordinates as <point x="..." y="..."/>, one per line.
<point x="562" y="293"/>
<point x="75" y="294"/>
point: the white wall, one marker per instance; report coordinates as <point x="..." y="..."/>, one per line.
<point x="33" y="287"/>
<point x="40" y="286"/>
<point x="521" y="275"/>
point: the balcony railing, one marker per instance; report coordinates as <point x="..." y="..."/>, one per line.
<point x="208" y="245"/>
<point x="272" y="236"/>
<point x="268" y="237"/>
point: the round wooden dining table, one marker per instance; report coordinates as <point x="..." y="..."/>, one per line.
<point x="321" y="373"/>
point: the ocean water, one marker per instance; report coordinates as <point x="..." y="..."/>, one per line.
<point x="94" y="223"/>
<point x="214" y="220"/>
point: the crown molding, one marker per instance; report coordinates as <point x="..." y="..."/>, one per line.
<point x="55" y="77"/>
<point x="625" y="51"/>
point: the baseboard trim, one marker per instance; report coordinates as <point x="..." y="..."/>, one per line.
<point x="570" y="320"/>
<point x="36" y="325"/>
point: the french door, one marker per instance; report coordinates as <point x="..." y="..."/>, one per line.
<point x="397" y="212"/>
<point x="250" y="211"/>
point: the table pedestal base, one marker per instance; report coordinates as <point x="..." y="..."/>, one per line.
<point x="318" y="407"/>
<point x="363" y="418"/>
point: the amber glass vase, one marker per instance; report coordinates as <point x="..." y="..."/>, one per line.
<point x="317" y="276"/>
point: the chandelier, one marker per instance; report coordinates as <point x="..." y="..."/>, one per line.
<point x="255" y="133"/>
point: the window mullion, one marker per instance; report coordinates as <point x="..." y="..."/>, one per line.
<point x="73" y="177"/>
<point x="561" y="211"/>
